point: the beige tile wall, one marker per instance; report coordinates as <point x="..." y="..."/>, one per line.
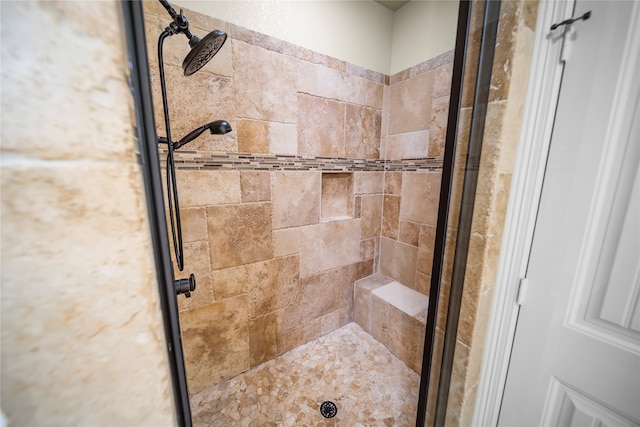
<point x="283" y="248"/>
<point x="82" y="338"/>
<point x="414" y="126"/>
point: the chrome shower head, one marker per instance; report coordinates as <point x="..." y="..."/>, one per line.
<point x="202" y="50"/>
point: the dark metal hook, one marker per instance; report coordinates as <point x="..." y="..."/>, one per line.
<point x="584" y="17"/>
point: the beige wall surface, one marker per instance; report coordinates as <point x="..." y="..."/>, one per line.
<point x="422" y="30"/>
<point x="82" y="339"/>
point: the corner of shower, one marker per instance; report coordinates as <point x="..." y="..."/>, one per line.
<point x="338" y="214"/>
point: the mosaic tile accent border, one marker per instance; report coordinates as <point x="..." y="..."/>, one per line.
<point x="270" y="162"/>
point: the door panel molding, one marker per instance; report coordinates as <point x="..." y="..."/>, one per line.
<point x="612" y="222"/>
<point x="567" y="406"/>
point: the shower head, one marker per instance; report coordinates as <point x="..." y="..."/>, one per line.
<point x="219" y="127"/>
<point x="202" y="50"/>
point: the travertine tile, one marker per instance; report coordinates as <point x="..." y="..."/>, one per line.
<point x="263" y="40"/>
<point x="420" y="197"/>
<point x="370" y="386"/>
<point x="367" y="249"/>
<point x="409" y="232"/>
<point x="485" y="302"/>
<point x="301" y="334"/>
<point x="408" y="145"/>
<point x="255" y="186"/>
<point x="410" y="103"/>
<point x="239" y="234"/>
<point x="78" y="282"/>
<point x="329" y="83"/>
<point x="348" y="275"/>
<point x="457" y="385"/>
<point x="435" y="374"/>
<point x="407" y="339"/>
<point x="196" y="261"/>
<point x="318" y="296"/>
<point x="321" y="247"/>
<point x="391" y="217"/>
<point x="320" y="127"/>
<point x="362" y="132"/>
<point x="393" y="183"/>
<point x="283" y="138"/>
<point x="229" y="282"/>
<point x="503" y="56"/>
<point x="386" y="100"/>
<point x="272" y="285"/>
<point x="373" y="282"/>
<point x="438" y="126"/>
<point x="374" y="95"/>
<point x="215" y="101"/>
<point x="362" y="307"/>
<point x="215" y="339"/>
<point x="203" y="188"/>
<point x="194" y="224"/>
<point x="426" y="242"/>
<point x="371" y="214"/>
<point x="468" y="312"/>
<point x="368" y="182"/>
<point x="407" y="300"/>
<point x="398" y="261"/>
<point x="262" y="339"/>
<point x="330" y="322"/>
<point x="253" y="136"/>
<point x="379" y="319"/>
<point x="442" y="80"/>
<point x="268" y="94"/>
<point x="296" y="198"/>
<point x="422" y="285"/>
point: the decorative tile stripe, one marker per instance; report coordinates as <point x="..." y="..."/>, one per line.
<point x="270" y="162"/>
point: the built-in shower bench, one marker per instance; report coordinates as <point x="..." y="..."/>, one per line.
<point x="393" y="314"/>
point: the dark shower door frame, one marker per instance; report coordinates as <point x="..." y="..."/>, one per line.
<point x="140" y="85"/>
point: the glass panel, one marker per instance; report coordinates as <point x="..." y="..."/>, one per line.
<point x="310" y="226"/>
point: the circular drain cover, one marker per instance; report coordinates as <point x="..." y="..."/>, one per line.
<point x="328" y="409"/>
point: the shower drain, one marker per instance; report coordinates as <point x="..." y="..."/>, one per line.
<point x="328" y="409"/>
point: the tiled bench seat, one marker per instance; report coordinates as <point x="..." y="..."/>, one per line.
<point x="393" y="314"/>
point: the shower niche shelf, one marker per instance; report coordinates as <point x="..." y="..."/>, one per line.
<point x="337" y="196"/>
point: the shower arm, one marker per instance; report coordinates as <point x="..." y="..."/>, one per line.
<point x="172" y="188"/>
<point x="180" y="23"/>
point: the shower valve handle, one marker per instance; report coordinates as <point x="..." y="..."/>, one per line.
<point x="186" y="286"/>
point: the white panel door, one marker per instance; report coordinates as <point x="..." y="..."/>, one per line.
<point x="576" y="354"/>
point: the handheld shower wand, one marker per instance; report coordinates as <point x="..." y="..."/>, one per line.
<point x="202" y="50"/>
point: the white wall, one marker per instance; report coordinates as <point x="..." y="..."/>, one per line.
<point x="363" y="33"/>
<point x="422" y="30"/>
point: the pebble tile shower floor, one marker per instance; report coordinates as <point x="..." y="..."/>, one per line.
<point x="370" y="386"/>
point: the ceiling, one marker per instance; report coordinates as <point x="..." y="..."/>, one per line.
<point x="392" y="5"/>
